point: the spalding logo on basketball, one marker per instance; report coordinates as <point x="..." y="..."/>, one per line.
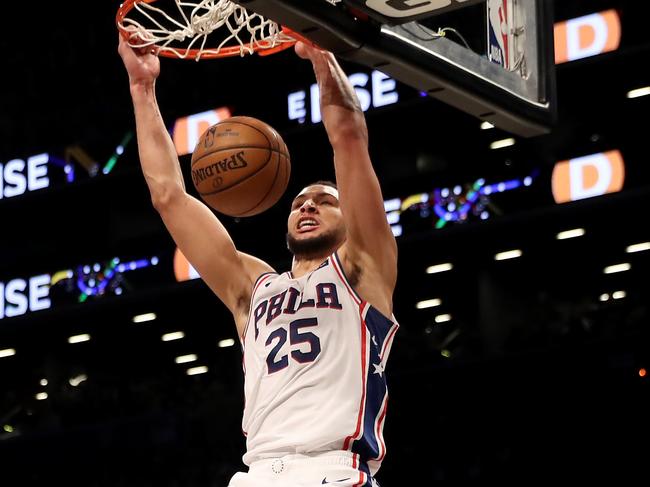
<point x="241" y="166"/>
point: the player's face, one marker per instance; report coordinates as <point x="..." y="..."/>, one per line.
<point x="315" y="224"/>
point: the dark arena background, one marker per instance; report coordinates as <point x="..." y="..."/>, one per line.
<point x="522" y="291"/>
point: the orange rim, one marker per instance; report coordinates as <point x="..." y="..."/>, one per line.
<point x="227" y="51"/>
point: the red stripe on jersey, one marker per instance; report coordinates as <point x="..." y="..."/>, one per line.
<point x="387" y="341"/>
<point x="335" y="263"/>
<point x="379" y="428"/>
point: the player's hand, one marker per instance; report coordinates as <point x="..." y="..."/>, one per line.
<point x="307" y="50"/>
<point x="142" y="63"/>
<point x="321" y="60"/>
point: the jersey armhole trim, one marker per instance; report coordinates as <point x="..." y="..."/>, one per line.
<point x="363" y="304"/>
<point x="256" y="284"/>
<point x="336" y="262"/>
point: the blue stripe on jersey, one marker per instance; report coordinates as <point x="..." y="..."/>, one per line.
<point x="363" y="466"/>
<point x="379" y="328"/>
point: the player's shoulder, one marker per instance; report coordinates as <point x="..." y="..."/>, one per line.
<point x="254" y="266"/>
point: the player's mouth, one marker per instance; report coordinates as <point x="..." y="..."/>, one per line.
<point x="307" y="225"/>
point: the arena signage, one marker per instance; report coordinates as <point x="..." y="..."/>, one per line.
<point x="19" y="296"/>
<point x="374" y="90"/>
<point x="19" y="176"/>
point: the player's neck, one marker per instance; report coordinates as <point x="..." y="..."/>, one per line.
<point x="305" y="265"/>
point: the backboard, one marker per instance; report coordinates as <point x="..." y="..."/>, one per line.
<point x="508" y="81"/>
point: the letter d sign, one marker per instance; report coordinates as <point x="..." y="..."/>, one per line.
<point x="187" y="130"/>
<point x="588" y="176"/>
<point x="587" y="36"/>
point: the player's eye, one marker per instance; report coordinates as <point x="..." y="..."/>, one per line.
<point x="327" y="201"/>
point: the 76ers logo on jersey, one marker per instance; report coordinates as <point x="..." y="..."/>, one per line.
<point x="304" y="343"/>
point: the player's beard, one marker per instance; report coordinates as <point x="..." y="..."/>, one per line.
<point x="314" y="247"/>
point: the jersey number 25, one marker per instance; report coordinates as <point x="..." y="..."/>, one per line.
<point x="296" y="336"/>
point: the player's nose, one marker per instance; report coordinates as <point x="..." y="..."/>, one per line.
<point x="308" y="206"/>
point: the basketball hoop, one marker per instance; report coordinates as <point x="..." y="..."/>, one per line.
<point x="198" y="29"/>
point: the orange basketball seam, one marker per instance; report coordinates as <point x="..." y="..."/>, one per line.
<point x="236" y="147"/>
<point x="250" y="175"/>
<point x="284" y="162"/>
<point x="271" y="187"/>
<point x="241" y="120"/>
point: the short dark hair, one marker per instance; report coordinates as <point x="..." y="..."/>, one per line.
<point x="323" y="182"/>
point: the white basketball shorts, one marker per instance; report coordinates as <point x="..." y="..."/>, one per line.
<point x="334" y="469"/>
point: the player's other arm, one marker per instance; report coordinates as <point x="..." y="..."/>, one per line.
<point x="196" y="230"/>
<point x="370" y="240"/>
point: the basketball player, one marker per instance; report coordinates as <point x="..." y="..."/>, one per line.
<point x="315" y="339"/>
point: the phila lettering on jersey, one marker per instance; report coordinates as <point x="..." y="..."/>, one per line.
<point x="314" y="360"/>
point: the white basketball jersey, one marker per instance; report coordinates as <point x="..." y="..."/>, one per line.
<point x="314" y="360"/>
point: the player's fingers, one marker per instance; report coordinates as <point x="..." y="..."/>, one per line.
<point x="301" y="50"/>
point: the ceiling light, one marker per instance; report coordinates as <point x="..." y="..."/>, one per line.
<point x="197" y="370"/>
<point x="183" y="359"/>
<point x="144" y="317"/>
<point x="508" y="254"/>
<point x="228" y="342"/>
<point x="500" y="144"/>
<point x="78" y="379"/>
<point x="638" y="92"/>
<point x="428" y="303"/>
<point x="640" y="247"/>
<point x="434" y="269"/>
<point x="7" y="352"/>
<point x="442" y="318"/>
<point x="617" y="268"/>
<point x="175" y="335"/>
<point x="576" y="232"/>
<point x="84" y="337"/>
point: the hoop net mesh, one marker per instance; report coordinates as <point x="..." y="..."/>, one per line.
<point x="195" y="29"/>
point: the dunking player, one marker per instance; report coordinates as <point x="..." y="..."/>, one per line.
<point x="316" y="339"/>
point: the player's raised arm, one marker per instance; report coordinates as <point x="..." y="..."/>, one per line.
<point x="370" y="242"/>
<point x="195" y="229"/>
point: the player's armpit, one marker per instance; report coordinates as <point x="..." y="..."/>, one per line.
<point x="206" y="244"/>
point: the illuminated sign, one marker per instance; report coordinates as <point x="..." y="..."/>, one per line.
<point x="19" y="296"/>
<point x="588" y="176"/>
<point x="587" y="36"/>
<point x="18" y="176"/>
<point x="183" y="270"/>
<point x="448" y="205"/>
<point x="374" y="90"/>
<point x="187" y="130"/>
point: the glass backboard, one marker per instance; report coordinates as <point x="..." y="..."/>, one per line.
<point x="507" y="77"/>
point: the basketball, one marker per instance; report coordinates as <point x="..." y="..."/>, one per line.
<point x="240" y="166"/>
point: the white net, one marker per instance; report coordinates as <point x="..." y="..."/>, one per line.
<point x="201" y="28"/>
